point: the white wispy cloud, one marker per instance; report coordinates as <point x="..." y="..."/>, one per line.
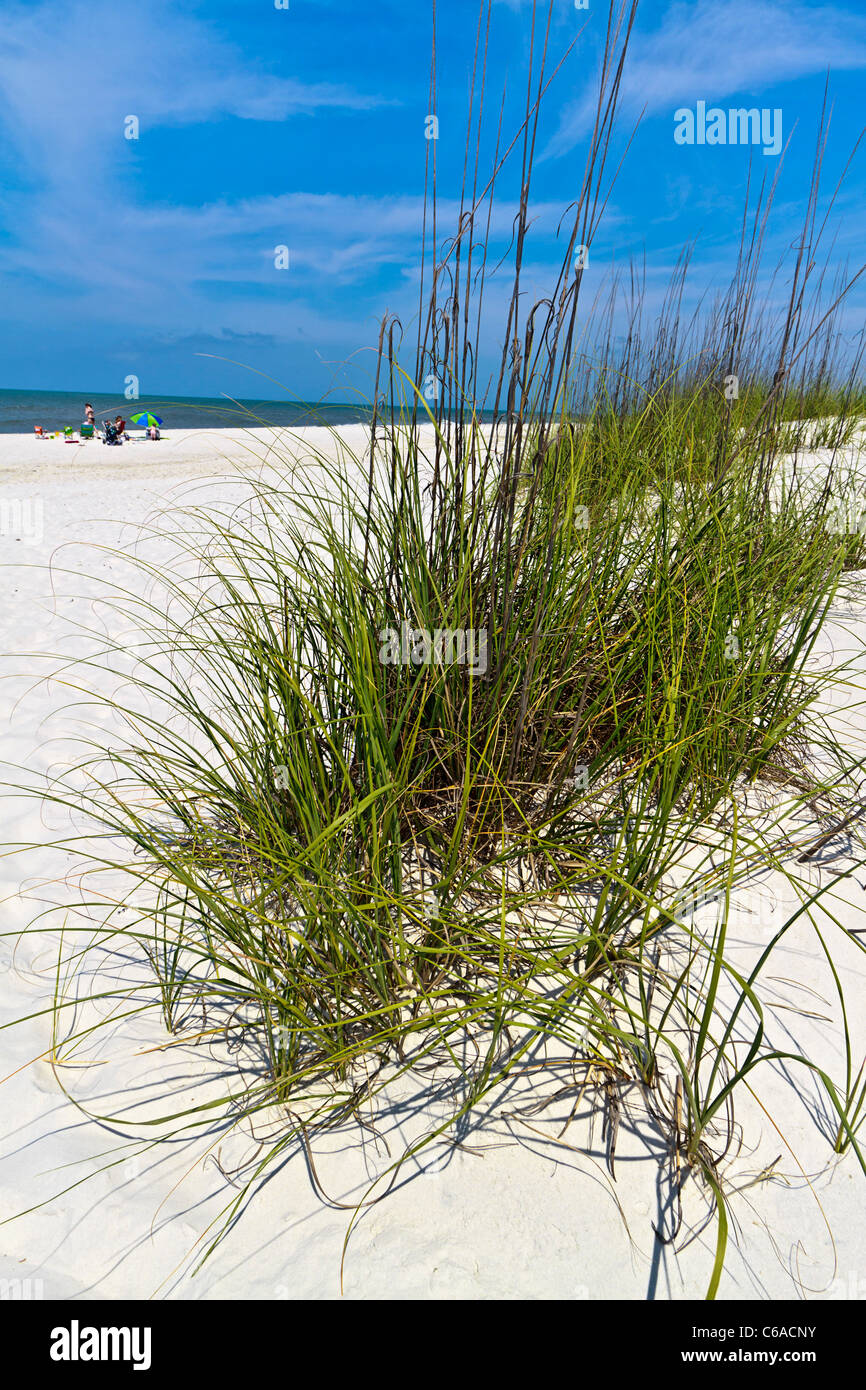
<point x="717" y="48"/>
<point x="212" y="267"/>
<point x="77" y="234"/>
<point x="72" y="70"/>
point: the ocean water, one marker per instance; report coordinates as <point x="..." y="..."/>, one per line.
<point x="20" y="411"/>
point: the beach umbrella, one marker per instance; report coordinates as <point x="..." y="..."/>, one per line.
<point x="144" y="417"/>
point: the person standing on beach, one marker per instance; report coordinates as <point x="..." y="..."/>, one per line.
<point x="89" y="417"/>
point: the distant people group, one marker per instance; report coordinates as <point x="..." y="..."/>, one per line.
<point x="113" y="432"/>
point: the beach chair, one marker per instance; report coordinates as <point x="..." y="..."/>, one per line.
<point x="86" y="431"/>
<point x="70" y="436"/>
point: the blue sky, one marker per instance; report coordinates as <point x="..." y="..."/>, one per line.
<point x="305" y="127"/>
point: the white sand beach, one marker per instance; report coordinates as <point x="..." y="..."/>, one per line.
<point x="513" y="1211"/>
